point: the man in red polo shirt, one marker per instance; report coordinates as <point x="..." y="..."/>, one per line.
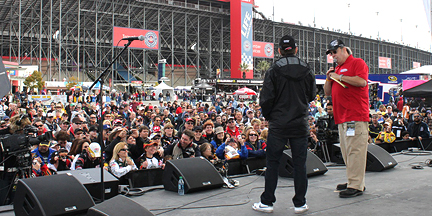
<point x="351" y="113"/>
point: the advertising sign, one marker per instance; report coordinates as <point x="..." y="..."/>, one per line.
<point x="263" y="49"/>
<point x="384" y="62"/>
<point x="151" y="38"/>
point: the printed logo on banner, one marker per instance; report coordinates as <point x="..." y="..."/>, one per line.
<point x="247" y="46"/>
<point x="150" y="39"/>
<point x="268" y="50"/>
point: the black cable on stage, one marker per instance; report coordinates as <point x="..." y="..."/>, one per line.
<point x="204" y="198"/>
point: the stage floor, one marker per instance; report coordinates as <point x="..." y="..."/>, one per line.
<point x="398" y="191"/>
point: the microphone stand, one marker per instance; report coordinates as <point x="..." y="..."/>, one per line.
<point x="100" y="79"/>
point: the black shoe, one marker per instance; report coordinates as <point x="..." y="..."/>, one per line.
<point x="341" y="187"/>
<point x="350" y="192"/>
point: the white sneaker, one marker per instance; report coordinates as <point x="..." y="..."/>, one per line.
<point x="299" y="210"/>
<point x="262" y="208"/>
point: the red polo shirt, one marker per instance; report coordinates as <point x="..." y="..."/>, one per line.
<point x="352" y="103"/>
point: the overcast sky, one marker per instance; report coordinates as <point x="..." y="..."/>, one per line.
<point x="359" y="16"/>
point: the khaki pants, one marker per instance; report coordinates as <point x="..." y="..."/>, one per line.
<point x="354" y="153"/>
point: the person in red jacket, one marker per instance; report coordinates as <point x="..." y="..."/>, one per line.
<point x="232" y="128"/>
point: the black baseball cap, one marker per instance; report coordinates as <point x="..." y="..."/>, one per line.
<point x="333" y="45"/>
<point x="287" y="43"/>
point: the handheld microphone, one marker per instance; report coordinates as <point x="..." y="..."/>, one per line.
<point x="141" y="38"/>
<point x="334" y="65"/>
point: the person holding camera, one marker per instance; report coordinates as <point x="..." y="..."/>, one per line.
<point x="399" y="126"/>
<point x="350" y="97"/>
<point x="185" y="148"/>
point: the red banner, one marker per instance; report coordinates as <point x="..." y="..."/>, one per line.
<point x="151" y="38"/>
<point x="384" y="62"/>
<point x="416" y="64"/>
<point x="263" y="49"/>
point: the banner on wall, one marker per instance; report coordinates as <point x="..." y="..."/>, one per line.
<point x="151" y="38"/>
<point x="384" y="62"/>
<point x="263" y="49"/>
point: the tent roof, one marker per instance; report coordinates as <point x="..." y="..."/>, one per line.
<point x="202" y="86"/>
<point x="163" y="85"/>
<point x="427" y="69"/>
<point x="423" y="90"/>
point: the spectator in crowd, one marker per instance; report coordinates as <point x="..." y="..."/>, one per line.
<point x="232" y="149"/>
<point x="40" y="127"/>
<point x="120" y="163"/>
<point x="185" y="148"/>
<point x="198" y="138"/>
<point x="255" y="147"/>
<point x="43" y="152"/>
<point x="418" y="129"/>
<point x="399" y="126"/>
<point x="375" y="128"/>
<point x="60" y="160"/>
<point x="386" y="136"/>
<point x="232" y="129"/>
<point x="50" y="125"/>
<point x="89" y="158"/>
<point x="151" y="159"/>
<point x="208" y="130"/>
<point x="219" y="137"/>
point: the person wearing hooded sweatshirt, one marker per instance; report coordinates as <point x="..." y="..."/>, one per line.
<point x="288" y="88"/>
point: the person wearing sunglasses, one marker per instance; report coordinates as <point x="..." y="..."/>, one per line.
<point x="232" y="128"/>
<point x="418" y="129"/>
<point x="120" y="163"/>
<point x="255" y="146"/>
<point x="348" y="87"/>
<point x="40" y="127"/>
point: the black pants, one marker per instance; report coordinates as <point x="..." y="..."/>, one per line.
<point x="275" y="147"/>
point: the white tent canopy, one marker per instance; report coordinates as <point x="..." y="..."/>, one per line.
<point x="426" y="69"/>
<point x="164" y="88"/>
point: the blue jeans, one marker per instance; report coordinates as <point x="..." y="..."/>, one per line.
<point x="275" y="147"/>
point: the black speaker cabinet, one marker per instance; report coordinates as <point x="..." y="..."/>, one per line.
<point x="119" y="205"/>
<point x="145" y="177"/>
<point x="198" y="174"/>
<point x="314" y="165"/>
<point x="51" y="195"/>
<point x="91" y="180"/>
<point x="378" y="159"/>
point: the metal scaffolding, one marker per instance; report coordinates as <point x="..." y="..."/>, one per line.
<point x="74" y="38"/>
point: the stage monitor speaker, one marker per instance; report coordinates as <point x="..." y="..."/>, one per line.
<point x="51" y="195"/>
<point x="198" y="174"/>
<point x="119" y="205"/>
<point x="378" y="159"/>
<point x="314" y="165"/>
<point x="91" y="180"/>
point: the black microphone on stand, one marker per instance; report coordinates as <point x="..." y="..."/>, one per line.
<point x="141" y="38"/>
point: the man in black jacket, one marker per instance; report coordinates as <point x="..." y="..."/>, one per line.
<point x="289" y="86"/>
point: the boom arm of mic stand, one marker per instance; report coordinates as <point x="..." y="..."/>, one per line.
<point x="100" y="79"/>
<point x="109" y="66"/>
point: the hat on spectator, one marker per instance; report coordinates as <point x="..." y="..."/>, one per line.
<point x="117" y="121"/>
<point x="250" y="111"/>
<point x="141" y="108"/>
<point x="44" y="143"/>
<point x="150" y="144"/>
<point x="287" y="43"/>
<point x="93" y="128"/>
<point x="190" y="119"/>
<point x="197" y="128"/>
<point x="94" y="150"/>
<point x="386" y="123"/>
<point x="389" y="107"/>
<point x="65" y="122"/>
<point x="5" y="117"/>
<point x="219" y="130"/>
<point x="334" y="45"/>
<point x="231" y="118"/>
<point x="106" y="126"/>
<point x="154" y="135"/>
<point x="50" y="114"/>
<point x="78" y="130"/>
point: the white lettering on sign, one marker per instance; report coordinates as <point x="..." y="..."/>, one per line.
<point x="247" y="24"/>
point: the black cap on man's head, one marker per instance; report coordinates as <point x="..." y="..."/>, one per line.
<point x="333" y="45"/>
<point x="287" y="43"/>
